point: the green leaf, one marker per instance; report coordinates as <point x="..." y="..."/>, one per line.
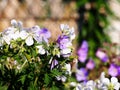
<point x="81" y="2"/>
<point x="22" y="79"/>
<point x="55" y="72"/>
<point x="3" y="87"/>
<point x="54" y="88"/>
<point x="47" y="80"/>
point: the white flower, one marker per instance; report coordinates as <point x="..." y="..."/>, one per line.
<point x="65" y="51"/>
<point x="23" y="34"/>
<point x="78" y="87"/>
<point x="72" y="34"/>
<point x="41" y="50"/>
<point x="64" y="27"/>
<point x="91" y="83"/>
<point x="68" y="31"/>
<point x="62" y="78"/>
<point x="1" y="41"/>
<point x="68" y="68"/>
<point x="68" y="44"/>
<point x="16" y="35"/>
<point x="14" y="22"/>
<point x="7" y="39"/>
<point x="29" y="41"/>
<point x="113" y="83"/>
<point x="58" y="78"/>
<point x="73" y="84"/>
<point x="88" y="88"/>
<point x="102" y="76"/>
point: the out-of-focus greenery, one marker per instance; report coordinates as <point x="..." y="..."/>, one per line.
<point x="92" y="22"/>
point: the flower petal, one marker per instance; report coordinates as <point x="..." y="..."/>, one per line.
<point x="65" y="51"/>
<point x="41" y="49"/>
<point x="117" y="86"/>
<point x="29" y="41"/>
<point x="114" y="80"/>
<point x="23" y="34"/>
<point x="106" y="81"/>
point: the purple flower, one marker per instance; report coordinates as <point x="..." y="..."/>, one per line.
<point x="83" y="52"/>
<point x="53" y="64"/>
<point x="64" y="42"/>
<point x="65" y="45"/>
<point x="119" y="70"/>
<point x="90" y="64"/>
<point x="42" y="35"/>
<point x="102" y="55"/>
<point x="81" y="74"/>
<point x="113" y="70"/>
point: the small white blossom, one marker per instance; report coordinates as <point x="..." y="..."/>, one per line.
<point x="112" y="83"/>
<point x="73" y="84"/>
<point x="105" y="83"/>
<point x="29" y="41"/>
<point x="62" y="78"/>
<point x="64" y="27"/>
<point x="16" y="35"/>
<point x="65" y="51"/>
<point x="72" y="34"/>
<point x="41" y="50"/>
<point x="78" y="87"/>
<point x="14" y="22"/>
<point x="1" y="41"/>
<point x="68" y="68"/>
<point x="7" y="39"/>
<point x="23" y="34"/>
<point x="68" y="31"/>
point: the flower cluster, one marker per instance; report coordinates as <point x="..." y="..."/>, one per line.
<point x="102" y="83"/>
<point x="108" y="54"/>
<point x="27" y="56"/>
<point x="65" y="40"/>
<point x="29" y="61"/>
<point x="88" y="63"/>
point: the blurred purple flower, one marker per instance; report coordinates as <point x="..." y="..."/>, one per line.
<point x="43" y="35"/>
<point x="83" y="52"/>
<point x="113" y="70"/>
<point x="102" y="55"/>
<point x="81" y="74"/>
<point x="90" y="64"/>
<point x="119" y="70"/>
<point x="53" y="64"/>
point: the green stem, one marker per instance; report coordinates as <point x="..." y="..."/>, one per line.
<point x="23" y="65"/>
<point x="35" y="81"/>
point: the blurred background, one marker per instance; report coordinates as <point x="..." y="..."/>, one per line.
<point x="82" y="14"/>
<point x="89" y="17"/>
<point x="46" y="13"/>
<point x="96" y="21"/>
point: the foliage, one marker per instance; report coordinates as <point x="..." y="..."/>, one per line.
<point x="28" y="61"/>
<point x="92" y="22"/>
